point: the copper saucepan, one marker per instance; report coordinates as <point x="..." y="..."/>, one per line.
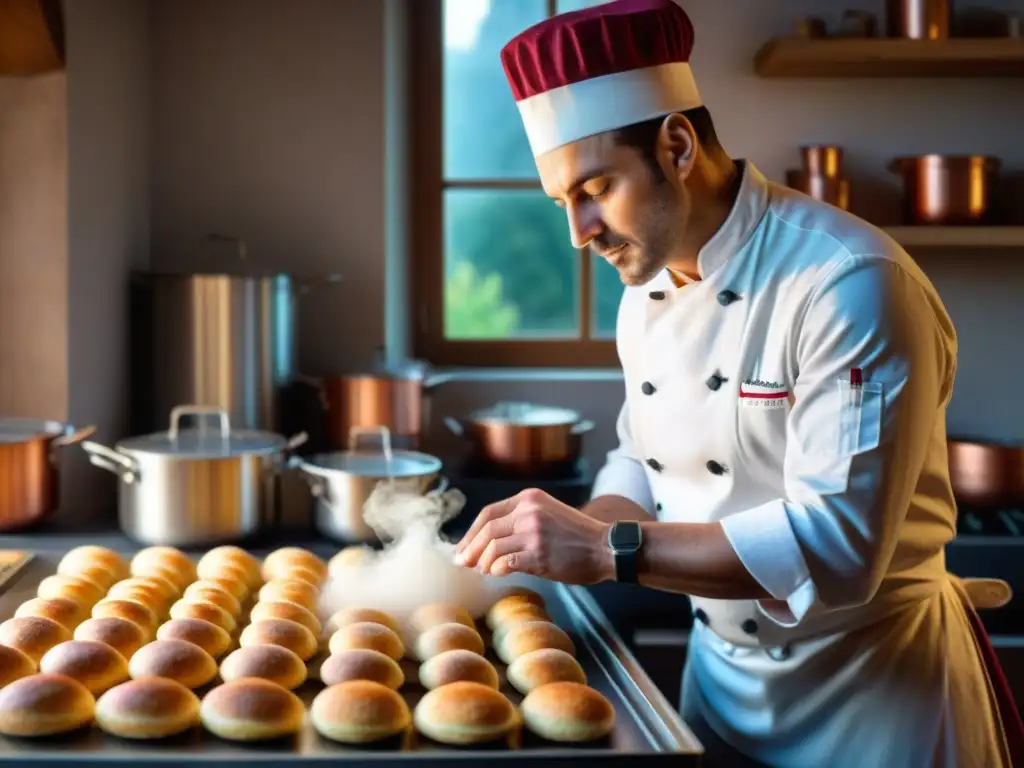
<point x="947" y="189"/>
<point x="986" y="474"/>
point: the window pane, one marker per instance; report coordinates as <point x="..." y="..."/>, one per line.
<point x="564" y="6"/>
<point x="510" y="270"/>
<point x="607" y="292"/>
<point x="483" y="134"/>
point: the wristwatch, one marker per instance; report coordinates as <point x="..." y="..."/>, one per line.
<point x="625" y="539"/>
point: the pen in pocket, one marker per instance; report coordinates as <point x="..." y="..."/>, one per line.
<point x="856" y="386"/>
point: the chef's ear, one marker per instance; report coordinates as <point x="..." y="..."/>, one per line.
<point x="679" y="141"/>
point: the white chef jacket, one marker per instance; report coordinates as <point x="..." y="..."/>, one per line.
<point x="739" y="408"/>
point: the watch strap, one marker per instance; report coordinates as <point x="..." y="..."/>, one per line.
<point x="627" y="557"/>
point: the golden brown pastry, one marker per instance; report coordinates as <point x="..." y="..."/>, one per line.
<point x="211" y="638"/>
<point x="532" y="636"/>
<point x="355" y="556"/>
<point x="568" y="712"/>
<point x="362" y="664"/>
<point x="431" y="615"/>
<point x="146" y="594"/>
<point x="209" y="564"/>
<point x="520" y="615"/>
<point x="191" y="609"/>
<point x="251" y="709"/>
<point x="14" y="665"/>
<point x="163" y="589"/>
<point x="133" y="611"/>
<point x="83" y="592"/>
<point x="153" y="708"/>
<point x="177" y="660"/>
<point x="308" y="575"/>
<point x="215" y="594"/>
<point x="512" y="602"/>
<point x="103" y="565"/>
<point x="32" y="635"/>
<point x="287" y="634"/>
<point x="289" y="611"/>
<point x="167" y="563"/>
<point x="367" y="634"/>
<point x="455" y="666"/>
<point x="268" y="662"/>
<point x="232" y="578"/>
<point x="298" y="592"/>
<point x="359" y="712"/>
<point x="65" y="612"/>
<point x="347" y="616"/>
<point x="125" y="637"/>
<point x="465" y="713"/>
<point x="280" y="562"/>
<point x="448" y="637"/>
<point x="543" y="666"/>
<point x="44" y="705"/>
<point x="95" y="665"/>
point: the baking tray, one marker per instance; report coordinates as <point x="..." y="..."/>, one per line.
<point x="647" y="727"/>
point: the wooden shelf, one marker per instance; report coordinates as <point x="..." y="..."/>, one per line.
<point x="958" y="237"/>
<point x="798" y="57"/>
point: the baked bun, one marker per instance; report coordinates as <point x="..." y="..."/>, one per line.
<point x="288" y="634"/>
<point x="465" y="713"/>
<point x="267" y="662"/>
<point x="211" y="638"/>
<point x="209" y="564"/>
<point x="32" y="635"/>
<point x="153" y="708"/>
<point x="143" y="593"/>
<point x="65" y="612"/>
<point x="104" y="566"/>
<point x="232" y="578"/>
<point x="448" y="637"/>
<point x="191" y="609"/>
<point x="362" y="664"/>
<point x="366" y="634"/>
<point x="520" y="615"/>
<point x="359" y="712"/>
<point x="177" y="660"/>
<point x="428" y="616"/>
<point x="214" y="594"/>
<point x="251" y="709"/>
<point x="308" y="575"/>
<point x="512" y="602"/>
<point x="133" y="611"/>
<point x="567" y="712"/>
<point x="122" y="635"/>
<point x="543" y="666"/>
<point x="161" y="589"/>
<point x="279" y="563"/>
<point x="289" y="591"/>
<point x="532" y="636"/>
<point x="355" y="556"/>
<point x="44" y="705"/>
<point x="95" y="665"/>
<point x="455" y="666"/>
<point x="347" y="616"/>
<point x="14" y="665"/>
<point x="289" y="611"/>
<point x="167" y="563"/>
<point x="83" y="592"/>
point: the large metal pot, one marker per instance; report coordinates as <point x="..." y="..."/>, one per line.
<point x="30" y="469"/>
<point x="946" y="189"/>
<point x="198" y="486"/>
<point x="523" y="439"/>
<point x="342" y="482"/>
<point x="919" y="19"/>
<point x="986" y="475"/>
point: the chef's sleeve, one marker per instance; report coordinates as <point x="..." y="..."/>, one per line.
<point x="853" y="457"/>
<point x="623" y="473"/>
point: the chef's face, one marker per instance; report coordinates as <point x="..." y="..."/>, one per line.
<point x="631" y="211"/>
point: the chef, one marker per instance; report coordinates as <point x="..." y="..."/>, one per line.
<point x="782" y="448"/>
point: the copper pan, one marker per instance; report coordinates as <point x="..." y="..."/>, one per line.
<point x="985" y="474"/>
<point x="947" y="189"/>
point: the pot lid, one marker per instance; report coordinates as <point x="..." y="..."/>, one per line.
<point x="370" y="464"/>
<point x="21" y="430"/>
<point x="206" y="443"/>
<point x="526" y="415"/>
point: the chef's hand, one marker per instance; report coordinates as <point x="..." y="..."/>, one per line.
<point x="535" y="533"/>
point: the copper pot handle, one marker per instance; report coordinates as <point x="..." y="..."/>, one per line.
<point x="74" y="437"/>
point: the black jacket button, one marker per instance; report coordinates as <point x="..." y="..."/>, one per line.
<point x="647" y="388"/>
<point x="715" y="468"/>
<point x="654" y="464"/>
<point x="714" y="382"/>
<point x="700" y="616"/>
<point x="657" y="295"/>
<point x="657" y="507"/>
<point x="749" y="626"/>
<point x="725" y="298"/>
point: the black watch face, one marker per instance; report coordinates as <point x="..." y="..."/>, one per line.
<point x="625" y="537"/>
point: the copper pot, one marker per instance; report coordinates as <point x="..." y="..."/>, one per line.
<point x="947" y="189"/>
<point x="986" y="474"/>
<point x="919" y="19"/>
<point x="29" y="469"/>
<point x="824" y="161"/>
<point x="523" y="439"/>
<point x="834" y="191"/>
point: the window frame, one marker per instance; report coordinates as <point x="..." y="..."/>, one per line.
<point x="426" y="248"/>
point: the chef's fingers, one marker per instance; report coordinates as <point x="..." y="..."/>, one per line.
<point x="491" y="512"/>
<point x="498" y="548"/>
<point x="492" y="529"/>
<point x="517" y="562"/>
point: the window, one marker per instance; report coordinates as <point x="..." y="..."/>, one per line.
<point x="496" y="280"/>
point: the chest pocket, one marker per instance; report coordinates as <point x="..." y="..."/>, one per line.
<point x="762" y="412"/>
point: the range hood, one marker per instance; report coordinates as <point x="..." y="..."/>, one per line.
<point x="31" y="37"/>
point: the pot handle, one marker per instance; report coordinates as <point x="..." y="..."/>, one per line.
<point x="69" y="439"/>
<point x="112" y="461"/>
<point x="454" y="426"/>
<point x="294" y="442"/>
<point x="198" y="410"/>
<point x="385" y="437"/>
<point x="581" y="427"/>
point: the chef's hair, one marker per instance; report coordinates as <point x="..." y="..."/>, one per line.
<point x="643" y="136"/>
